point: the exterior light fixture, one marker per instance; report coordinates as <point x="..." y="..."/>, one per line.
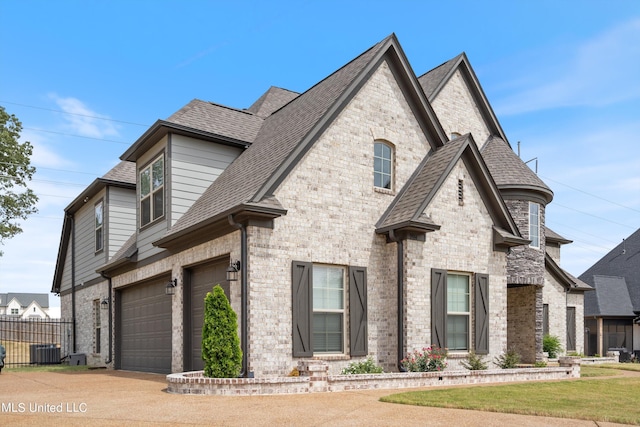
<point x="104" y="304"/>
<point x="232" y="271"/>
<point x="170" y="289"/>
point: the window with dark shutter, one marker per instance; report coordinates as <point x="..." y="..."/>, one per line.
<point x="481" y="313"/>
<point x="302" y="304"/>
<point x="358" y="311"/>
<point x="438" y="307"/>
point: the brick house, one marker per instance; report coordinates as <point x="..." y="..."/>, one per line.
<point x="376" y="213"/>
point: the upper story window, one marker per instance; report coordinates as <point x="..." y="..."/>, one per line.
<point x="99" y="225"/>
<point x="152" y="191"/>
<point x="382" y="165"/>
<point x="534" y="224"/>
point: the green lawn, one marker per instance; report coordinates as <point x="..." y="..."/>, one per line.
<point x="599" y="399"/>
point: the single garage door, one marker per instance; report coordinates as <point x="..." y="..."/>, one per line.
<point x="145" y="328"/>
<point x="201" y="279"/>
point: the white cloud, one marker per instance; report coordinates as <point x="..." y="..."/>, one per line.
<point x="602" y="71"/>
<point x="84" y="121"/>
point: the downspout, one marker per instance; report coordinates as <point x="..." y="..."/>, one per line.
<point x="73" y="277"/>
<point x="244" y="320"/>
<point x="400" y="272"/>
<point x="110" y="287"/>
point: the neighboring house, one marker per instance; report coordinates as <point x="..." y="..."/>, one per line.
<point x="612" y="312"/>
<point x="373" y="214"/>
<point x="24" y="305"/>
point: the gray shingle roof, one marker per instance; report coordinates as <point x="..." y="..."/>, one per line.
<point x="432" y="81"/>
<point x="552" y="236"/>
<point x="509" y="171"/>
<point x="122" y="172"/>
<point x="217" y="119"/>
<point x="271" y="101"/>
<point x="621" y="261"/>
<point x="25" y="299"/>
<point x="611" y="298"/>
<point x="250" y="176"/>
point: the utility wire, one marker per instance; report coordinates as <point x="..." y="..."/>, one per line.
<point x="595" y="216"/>
<point x="76" y="136"/>
<point x="73" y="114"/>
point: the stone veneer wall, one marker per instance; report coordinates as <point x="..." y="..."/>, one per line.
<point x="85" y="332"/>
<point x="525" y="264"/>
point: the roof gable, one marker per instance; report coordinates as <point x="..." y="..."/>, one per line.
<point x="406" y="212"/>
<point x="434" y="81"/>
<point x="564" y="278"/>
<point x="271" y="101"/>
<point x="288" y="134"/>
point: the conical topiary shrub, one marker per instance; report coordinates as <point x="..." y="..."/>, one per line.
<point x="220" y="343"/>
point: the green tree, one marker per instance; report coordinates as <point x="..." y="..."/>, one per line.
<point x="221" y="351"/>
<point x="16" y="200"/>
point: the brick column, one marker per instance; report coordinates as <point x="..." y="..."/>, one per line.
<point x="318" y="372"/>
<point x="572" y="362"/>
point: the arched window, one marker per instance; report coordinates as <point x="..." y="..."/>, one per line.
<point x="383" y="165"/>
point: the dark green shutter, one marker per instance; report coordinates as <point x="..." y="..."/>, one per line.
<point x="302" y="305"/>
<point x="481" y="313"/>
<point x="571" y="328"/>
<point x="439" y="308"/>
<point x="358" y="340"/>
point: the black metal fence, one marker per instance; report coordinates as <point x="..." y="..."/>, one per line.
<point x="36" y="341"/>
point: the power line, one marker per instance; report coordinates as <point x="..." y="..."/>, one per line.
<point x="595" y="216"/>
<point x="592" y="195"/>
<point x="76" y="136"/>
<point x="74" y="114"/>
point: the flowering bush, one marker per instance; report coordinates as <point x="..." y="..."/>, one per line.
<point x="428" y="359"/>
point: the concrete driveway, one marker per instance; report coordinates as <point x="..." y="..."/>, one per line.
<point x="116" y="398"/>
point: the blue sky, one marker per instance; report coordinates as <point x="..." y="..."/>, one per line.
<point x="87" y="78"/>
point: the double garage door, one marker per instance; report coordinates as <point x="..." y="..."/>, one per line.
<point x="143" y="328"/>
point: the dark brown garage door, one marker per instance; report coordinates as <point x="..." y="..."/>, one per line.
<point x="144" y="327"/>
<point x="201" y="279"/>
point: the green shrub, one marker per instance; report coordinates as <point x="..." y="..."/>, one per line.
<point x="508" y="360"/>
<point x="551" y="345"/>
<point x="367" y="366"/>
<point x="220" y="343"/>
<point x="540" y="364"/>
<point x="428" y="360"/>
<point x="474" y="362"/>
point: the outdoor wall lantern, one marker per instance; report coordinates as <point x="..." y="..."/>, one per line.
<point x="171" y="287"/>
<point x="232" y="271"/>
<point x="104" y="304"/>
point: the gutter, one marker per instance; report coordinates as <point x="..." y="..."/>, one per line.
<point x="244" y="320"/>
<point x="400" y="310"/>
<point x="73" y="277"/>
<point x="110" y="285"/>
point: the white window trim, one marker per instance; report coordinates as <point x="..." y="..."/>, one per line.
<point x="101" y="227"/>
<point x="149" y="167"/>
<point x="532" y="244"/>
<point x="342" y="311"/>
<point x="469" y="313"/>
<point x="391" y="166"/>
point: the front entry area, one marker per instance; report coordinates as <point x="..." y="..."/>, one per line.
<point x="198" y="281"/>
<point x="143" y="327"/>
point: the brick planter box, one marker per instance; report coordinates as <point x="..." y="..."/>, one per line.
<point x="314" y="379"/>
